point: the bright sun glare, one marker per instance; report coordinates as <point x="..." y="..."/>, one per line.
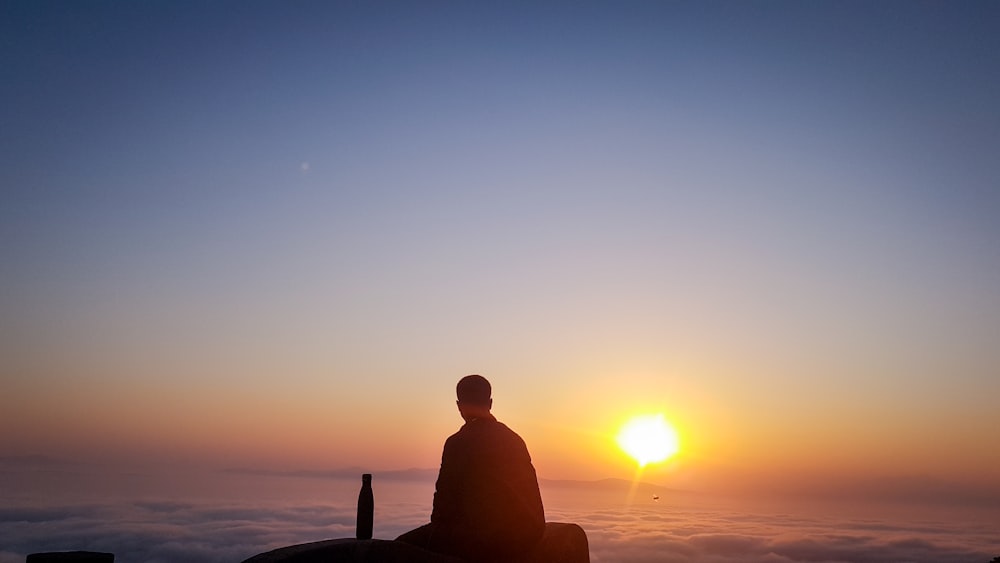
<point x="649" y="439"/>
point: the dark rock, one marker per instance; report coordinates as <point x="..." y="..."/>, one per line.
<point x="562" y="543"/>
<point x="351" y="551"/>
<point x="71" y="557"/>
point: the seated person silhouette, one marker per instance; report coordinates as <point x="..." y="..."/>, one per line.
<point x="487" y="506"/>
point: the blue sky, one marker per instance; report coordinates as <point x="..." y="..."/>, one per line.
<point x="764" y="211"/>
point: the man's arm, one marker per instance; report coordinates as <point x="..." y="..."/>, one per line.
<point x="448" y="490"/>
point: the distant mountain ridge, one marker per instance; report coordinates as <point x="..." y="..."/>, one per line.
<point x="892" y="489"/>
<point x="896" y="489"/>
<point x="430" y="474"/>
<point x="411" y="474"/>
<point x="34" y="460"/>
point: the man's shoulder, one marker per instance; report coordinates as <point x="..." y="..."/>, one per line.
<point x="489" y="434"/>
<point x="501" y="427"/>
<point x="481" y="429"/>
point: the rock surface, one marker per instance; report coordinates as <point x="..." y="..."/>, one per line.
<point x="71" y="557"/>
<point x="351" y="551"/>
<point x="562" y="543"/>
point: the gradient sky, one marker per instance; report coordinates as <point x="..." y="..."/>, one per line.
<point x="276" y="234"/>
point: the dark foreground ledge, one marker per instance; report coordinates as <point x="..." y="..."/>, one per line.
<point x="71" y="557"/>
<point x="351" y="550"/>
<point x="562" y="543"/>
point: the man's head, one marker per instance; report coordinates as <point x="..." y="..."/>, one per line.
<point x="474" y="399"/>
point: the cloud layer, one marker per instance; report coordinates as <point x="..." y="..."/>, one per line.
<point x="727" y="538"/>
<point x="225" y="517"/>
<point x="164" y="530"/>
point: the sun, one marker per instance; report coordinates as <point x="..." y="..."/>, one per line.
<point x="649" y="439"/>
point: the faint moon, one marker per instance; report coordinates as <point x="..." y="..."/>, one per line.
<point x="304" y="167"/>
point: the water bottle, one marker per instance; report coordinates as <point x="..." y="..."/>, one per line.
<point x="366" y="508"/>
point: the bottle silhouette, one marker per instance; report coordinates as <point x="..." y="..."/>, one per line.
<point x="366" y="508"/>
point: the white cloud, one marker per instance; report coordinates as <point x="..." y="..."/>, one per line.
<point x="169" y="530"/>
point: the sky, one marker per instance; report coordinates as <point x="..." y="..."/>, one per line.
<point x="274" y="235"/>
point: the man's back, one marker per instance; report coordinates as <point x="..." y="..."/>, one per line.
<point x="487" y="488"/>
<point x="486" y="505"/>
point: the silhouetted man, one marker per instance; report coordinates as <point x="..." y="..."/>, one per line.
<point x="486" y="504"/>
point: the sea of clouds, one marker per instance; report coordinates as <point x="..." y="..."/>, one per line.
<point x="683" y="529"/>
<point x="732" y="537"/>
